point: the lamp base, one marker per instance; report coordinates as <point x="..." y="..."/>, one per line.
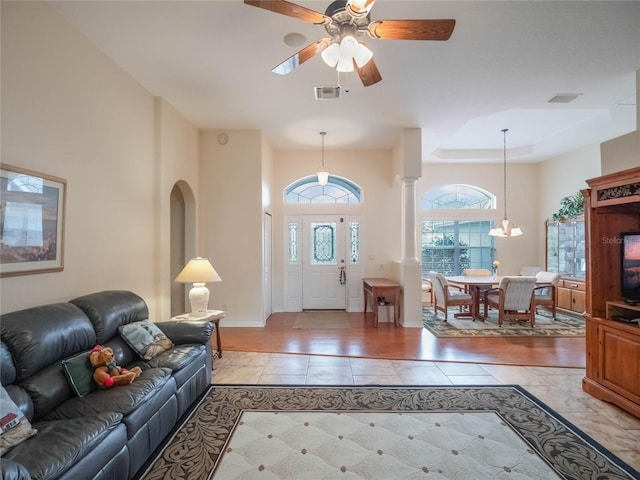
<point x="199" y="299"/>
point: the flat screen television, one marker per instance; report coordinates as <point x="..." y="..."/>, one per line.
<point x="630" y="279"/>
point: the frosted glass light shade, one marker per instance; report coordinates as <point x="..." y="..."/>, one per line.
<point x="506" y="229"/>
<point x="362" y="55"/>
<point x="323" y="176"/>
<point x="331" y="54"/>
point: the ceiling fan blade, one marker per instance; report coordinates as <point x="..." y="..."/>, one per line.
<point x="359" y="7"/>
<point x="291" y="10"/>
<point x="302" y="56"/>
<point x="412" y="29"/>
<point x="369" y="74"/>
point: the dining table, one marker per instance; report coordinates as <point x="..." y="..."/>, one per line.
<point x="475" y="286"/>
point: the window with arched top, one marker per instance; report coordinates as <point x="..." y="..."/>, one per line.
<point x="308" y="191"/>
<point x="457" y="196"/>
<point x="456" y="243"/>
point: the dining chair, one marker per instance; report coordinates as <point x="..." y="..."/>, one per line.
<point x="427" y="288"/>
<point x="545" y="291"/>
<point x="514" y="299"/>
<point x="476" y="272"/>
<point x="530" y="270"/>
<point x="447" y="295"/>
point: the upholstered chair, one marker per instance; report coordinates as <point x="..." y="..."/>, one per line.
<point x="427" y="289"/>
<point x="530" y="270"/>
<point x="545" y="291"/>
<point x="447" y="295"/>
<point x="514" y="299"/>
<point x="477" y="272"/>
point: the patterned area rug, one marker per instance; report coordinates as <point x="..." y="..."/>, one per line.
<point x="322" y="319"/>
<point x="563" y="326"/>
<point x="371" y="433"/>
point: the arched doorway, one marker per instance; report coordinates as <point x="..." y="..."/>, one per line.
<point x="182" y="238"/>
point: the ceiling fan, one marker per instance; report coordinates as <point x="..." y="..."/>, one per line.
<point x="345" y="21"/>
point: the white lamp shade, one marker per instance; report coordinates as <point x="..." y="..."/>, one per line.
<point x="323" y="177"/>
<point x="345" y="64"/>
<point x="362" y="55"/>
<point x="198" y="270"/>
<point x="331" y="54"/>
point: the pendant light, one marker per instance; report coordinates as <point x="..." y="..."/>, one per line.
<point x="506" y="229"/>
<point x="323" y="172"/>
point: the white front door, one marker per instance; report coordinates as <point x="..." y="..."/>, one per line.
<point x="323" y="258"/>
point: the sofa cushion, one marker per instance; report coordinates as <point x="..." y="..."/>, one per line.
<point x="61" y="444"/>
<point x="14" y="426"/>
<point x="79" y="372"/>
<point x="124" y="398"/>
<point x="110" y="309"/>
<point x="183" y="360"/>
<point x="7" y="367"/>
<point x="145" y="338"/>
<point x="41" y="336"/>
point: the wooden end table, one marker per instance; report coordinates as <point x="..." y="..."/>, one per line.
<point x="213" y="316"/>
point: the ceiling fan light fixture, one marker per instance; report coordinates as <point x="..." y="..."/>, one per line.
<point x="359" y="8"/>
<point x="363" y="55"/>
<point x="345" y="65"/>
<point x="331" y="55"/>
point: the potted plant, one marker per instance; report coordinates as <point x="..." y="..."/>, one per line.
<point x="570" y="207"/>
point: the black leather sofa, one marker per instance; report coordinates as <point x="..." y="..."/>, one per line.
<point x="108" y="433"/>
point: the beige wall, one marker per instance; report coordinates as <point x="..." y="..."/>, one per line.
<point x="623" y="152"/>
<point x="231" y="219"/>
<point x="68" y="111"/>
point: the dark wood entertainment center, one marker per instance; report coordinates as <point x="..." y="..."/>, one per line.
<point x="612" y="206"/>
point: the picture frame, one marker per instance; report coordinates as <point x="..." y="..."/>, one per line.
<point x="32" y="211"/>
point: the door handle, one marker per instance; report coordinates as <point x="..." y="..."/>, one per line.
<point x="343" y="276"/>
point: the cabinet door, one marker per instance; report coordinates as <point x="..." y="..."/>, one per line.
<point x="578" y="301"/>
<point x="564" y="298"/>
<point x="619" y="365"/>
<point x="552" y="248"/>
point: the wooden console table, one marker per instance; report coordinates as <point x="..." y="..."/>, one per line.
<point x="382" y="287"/>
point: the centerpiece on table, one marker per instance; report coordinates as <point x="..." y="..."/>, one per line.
<point x="494" y="267"/>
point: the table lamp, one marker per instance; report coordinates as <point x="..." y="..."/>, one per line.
<point x="198" y="271"/>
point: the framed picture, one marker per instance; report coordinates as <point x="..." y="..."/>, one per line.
<point x="31" y="222"/>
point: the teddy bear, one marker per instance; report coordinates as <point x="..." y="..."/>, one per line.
<point x="107" y="373"/>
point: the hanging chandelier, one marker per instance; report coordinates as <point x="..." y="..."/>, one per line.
<point x="323" y="172"/>
<point x="506" y="228"/>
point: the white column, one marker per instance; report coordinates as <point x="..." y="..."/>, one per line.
<point x="409" y="230"/>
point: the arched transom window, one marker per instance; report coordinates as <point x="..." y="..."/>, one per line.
<point x="457" y="196"/>
<point x="307" y="191"/>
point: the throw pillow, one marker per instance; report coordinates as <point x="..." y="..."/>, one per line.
<point x="79" y="373"/>
<point x="14" y="426"/>
<point x="145" y="338"/>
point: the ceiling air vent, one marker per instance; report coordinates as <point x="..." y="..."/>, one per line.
<point x="327" y="92"/>
<point x="564" y="98"/>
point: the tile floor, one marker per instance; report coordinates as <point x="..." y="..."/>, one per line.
<point x="559" y="388"/>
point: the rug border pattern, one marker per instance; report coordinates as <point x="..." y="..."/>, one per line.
<point x="436" y="325"/>
<point x="196" y="447"/>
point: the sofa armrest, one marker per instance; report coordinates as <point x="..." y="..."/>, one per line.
<point x="11" y="470"/>
<point x="187" y="331"/>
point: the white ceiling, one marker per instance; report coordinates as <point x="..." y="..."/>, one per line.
<point x="212" y="60"/>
